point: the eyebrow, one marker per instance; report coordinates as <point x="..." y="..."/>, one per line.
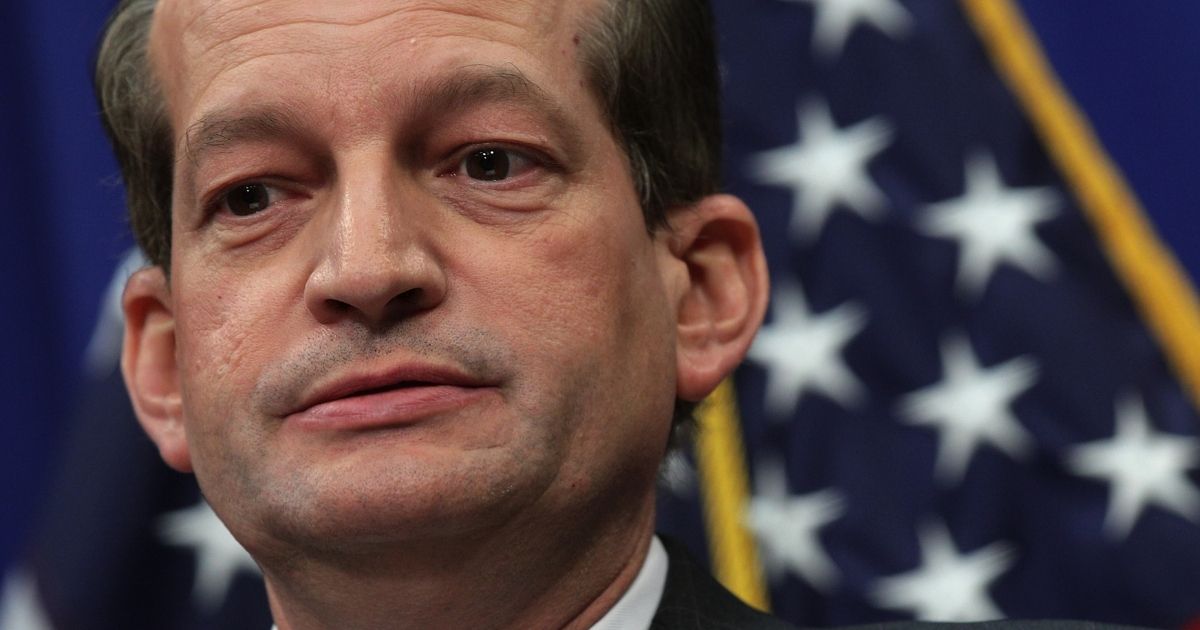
<point x="428" y="99"/>
<point x="223" y="128"/>
<point x="475" y="84"/>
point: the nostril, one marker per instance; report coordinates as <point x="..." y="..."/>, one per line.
<point x="338" y="306"/>
<point x="407" y="302"/>
<point x="411" y="296"/>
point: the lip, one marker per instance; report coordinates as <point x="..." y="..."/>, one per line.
<point x="400" y="396"/>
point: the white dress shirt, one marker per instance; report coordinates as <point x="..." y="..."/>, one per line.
<point x="635" y="610"/>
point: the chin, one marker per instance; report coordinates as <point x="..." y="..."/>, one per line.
<point x="370" y="501"/>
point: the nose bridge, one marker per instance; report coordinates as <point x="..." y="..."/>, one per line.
<point x="377" y="263"/>
<point x="370" y="215"/>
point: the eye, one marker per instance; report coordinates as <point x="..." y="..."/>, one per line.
<point x="247" y="199"/>
<point x="494" y="164"/>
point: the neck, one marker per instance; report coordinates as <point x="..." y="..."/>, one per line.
<point x="563" y="574"/>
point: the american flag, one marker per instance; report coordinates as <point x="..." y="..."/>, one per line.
<point x="965" y="404"/>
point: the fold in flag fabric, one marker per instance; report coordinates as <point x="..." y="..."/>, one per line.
<point x="973" y="396"/>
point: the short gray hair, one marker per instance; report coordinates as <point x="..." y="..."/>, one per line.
<point x="133" y="110"/>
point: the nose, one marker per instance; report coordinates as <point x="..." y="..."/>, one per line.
<point x="377" y="262"/>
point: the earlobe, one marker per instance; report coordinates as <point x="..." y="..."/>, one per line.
<point x="149" y="366"/>
<point x="724" y="298"/>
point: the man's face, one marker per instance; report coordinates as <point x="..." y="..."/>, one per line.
<point x="413" y="292"/>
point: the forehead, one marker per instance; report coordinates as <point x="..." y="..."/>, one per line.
<point x="208" y="22"/>
<point x="194" y="42"/>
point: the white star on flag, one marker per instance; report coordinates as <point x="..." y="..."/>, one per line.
<point x="219" y="557"/>
<point x="788" y="527"/>
<point x="826" y="167"/>
<point x="836" y="19"/>
<point x="20" y="606"/>
<point x="948" y="586"/>
<point x="1143" y="466"/>
<point x="970" y="406"/>
<point x="677" y="475"/>
<point x="993" y="224"/>
<point x="802" y="351"/>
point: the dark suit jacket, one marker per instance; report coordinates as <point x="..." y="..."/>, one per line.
<point x="693" y="600"/>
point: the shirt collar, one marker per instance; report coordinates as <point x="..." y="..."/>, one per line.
<point x="635" y="610"/>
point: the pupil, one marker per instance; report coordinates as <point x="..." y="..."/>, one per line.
<point x="488" y="164"/>
<point x="248" y="199"/>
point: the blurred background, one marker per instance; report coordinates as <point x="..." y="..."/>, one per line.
<point x="975" y="396"/>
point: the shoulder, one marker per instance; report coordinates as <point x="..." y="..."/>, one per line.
<point x="693" y="600"/>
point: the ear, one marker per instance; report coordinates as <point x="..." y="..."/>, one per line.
<point x="149" y="365"/>
<point x="722" y="300"/>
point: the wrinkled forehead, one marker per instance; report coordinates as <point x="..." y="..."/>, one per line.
<point x="208" y="22"/>
<point x="194" y="40"/>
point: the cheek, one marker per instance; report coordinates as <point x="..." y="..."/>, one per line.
<point x="582" y="299"/>
<point x="229" y="326"/>
<point x="229" y="330"/>
<point x="557" y="290"/>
